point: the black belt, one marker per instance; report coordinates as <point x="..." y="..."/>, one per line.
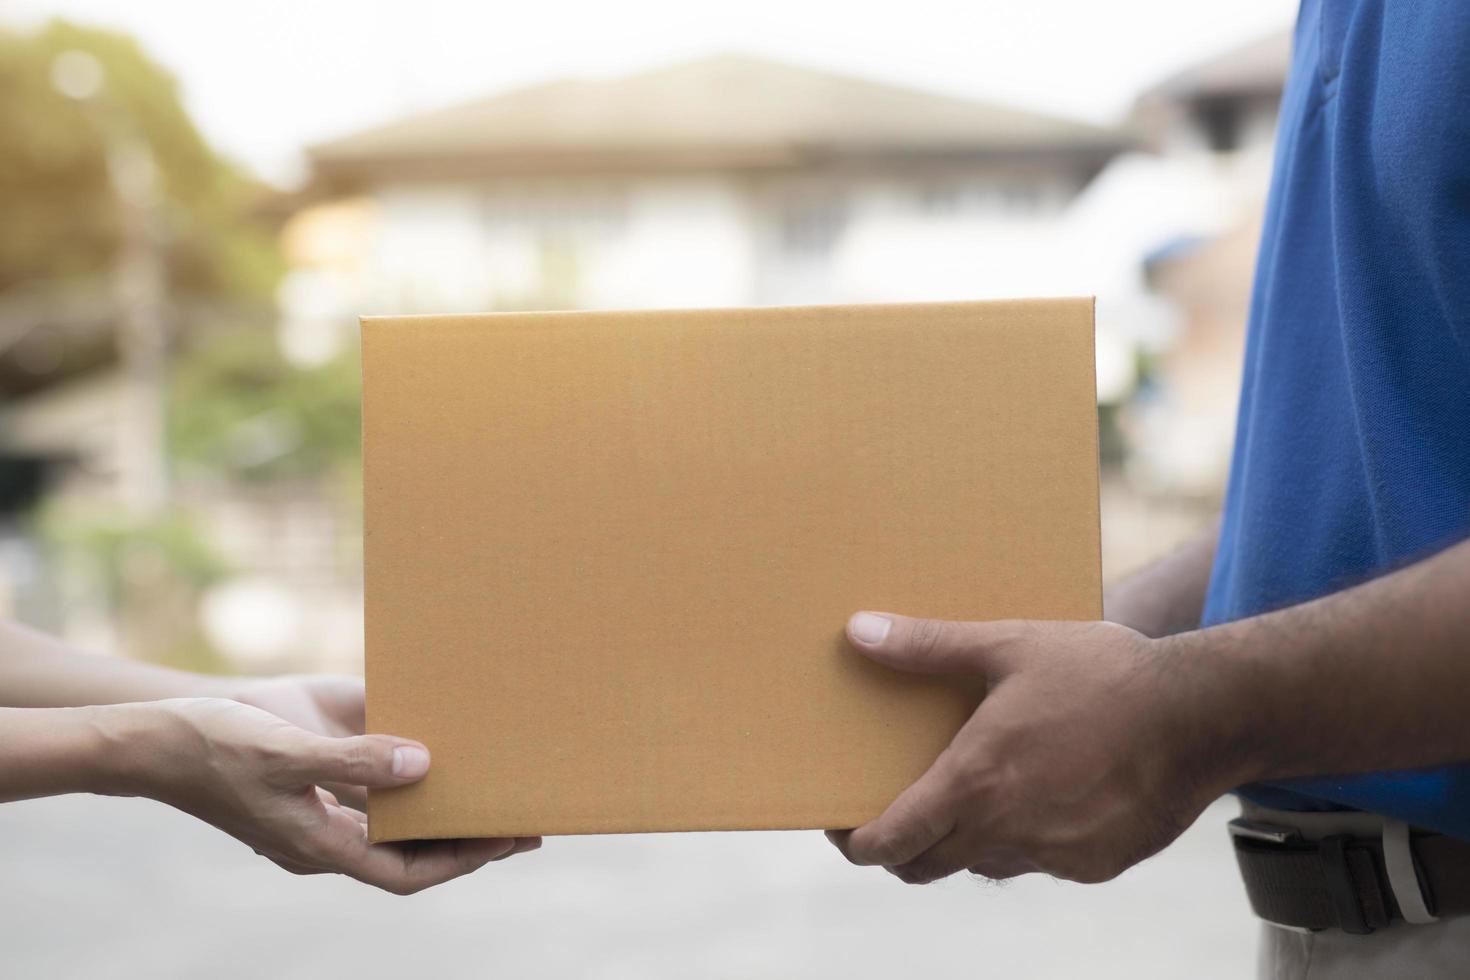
<point x="1341" y="881"/>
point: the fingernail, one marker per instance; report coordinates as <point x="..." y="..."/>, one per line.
<point x="870" y="628"/>
<point x="410" y="762"/>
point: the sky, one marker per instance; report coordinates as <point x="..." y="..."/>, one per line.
<point x="266" y="78"/>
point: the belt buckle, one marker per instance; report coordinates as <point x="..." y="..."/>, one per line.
<point x="1263" y="832"/>
<point x="1259" y="830"/>
<point x="1336" y="873"/>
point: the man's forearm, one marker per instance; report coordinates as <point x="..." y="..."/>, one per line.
<point x="39" y="671"/>
<point x="1167" y="596"/>
<point x="1372" y="678"/>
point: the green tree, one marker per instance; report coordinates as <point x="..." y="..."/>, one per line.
<point x="240" y="410"/>
<point x="61" y="235"/>
<point x="60" y="222"/>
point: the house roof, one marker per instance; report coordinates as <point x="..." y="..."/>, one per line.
<point x="719" y="112"/>
<point x="1258" y="67"/>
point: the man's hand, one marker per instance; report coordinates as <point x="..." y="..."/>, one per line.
<point x="1167" y="596"/>
<point x="258" y="778"/>
<point x="1092" y="750"/>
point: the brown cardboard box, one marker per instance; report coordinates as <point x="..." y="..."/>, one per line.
<point x="609" y="556"/>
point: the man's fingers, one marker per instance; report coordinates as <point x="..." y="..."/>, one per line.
<point x="920" y="817"/>
<point x="930" y="646"/>
<point x="940" y="861"/>
<point x="958" y="852"/>
<point x="523" y="846"/>
<point x="999" y="869"/>
<point x="361" y="760"/>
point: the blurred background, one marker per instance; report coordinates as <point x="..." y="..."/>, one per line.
<point x="197" y="202"/>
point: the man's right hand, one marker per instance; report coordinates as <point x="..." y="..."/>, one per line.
<point x="258" y="778"/>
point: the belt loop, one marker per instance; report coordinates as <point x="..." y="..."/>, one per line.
<point x="1342" y="890"/>
<point x="1398" y="860"/>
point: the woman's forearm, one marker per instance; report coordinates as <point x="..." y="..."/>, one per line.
<point x="51" y="751"/>
<point x="39" y="671"/>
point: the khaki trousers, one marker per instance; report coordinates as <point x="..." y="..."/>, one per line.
<point x="1400" y="952"/>
<point x="1433" y="951"/>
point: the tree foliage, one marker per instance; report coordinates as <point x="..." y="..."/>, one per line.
<point x="239" y="409"/>
<point x="60" y="222"/>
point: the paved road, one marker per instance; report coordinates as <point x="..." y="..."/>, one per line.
<point x="128" y="888"/>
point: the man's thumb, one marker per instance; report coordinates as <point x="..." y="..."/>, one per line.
<point x="927" y="646"/>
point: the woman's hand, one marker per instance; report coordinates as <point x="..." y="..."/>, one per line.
<point x="327" y="704"/>
<point x="258" y="778"/>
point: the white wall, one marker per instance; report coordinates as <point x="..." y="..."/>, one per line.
<point x="688" y="242"/>
<point x="728" y="240"/>
<point x="710" y="241"/>
<point x="646" y="242"/>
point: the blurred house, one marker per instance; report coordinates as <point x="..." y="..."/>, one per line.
<point x="737" y="180"/>
<point x="47" y="425"/>
<point x="108" y="540"/>
<point x="723" y="181"/>
<point x="1212" y="129"/>
<point x="275" y="560"/>
<point x="727" y="180"/>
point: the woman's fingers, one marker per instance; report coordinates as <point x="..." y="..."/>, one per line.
<point x="359" y="760"/>
<point x="274" y="786"/>
<point x="400" y="868"/>
<point x="340" y="700"/>
<point x="287" y="864"/>
<point x="342" y="845"/>
<point x="355" y="813"/>
<point x="348" y="795"/>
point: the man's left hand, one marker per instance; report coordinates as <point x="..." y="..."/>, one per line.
<point x="1094" y="748"/>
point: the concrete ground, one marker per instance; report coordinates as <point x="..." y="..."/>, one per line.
<point x="129" y="888"/>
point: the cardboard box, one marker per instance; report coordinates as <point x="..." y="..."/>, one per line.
<point x="609" y="556"/>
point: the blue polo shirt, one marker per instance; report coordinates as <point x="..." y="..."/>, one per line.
<point x="1352" y="450"/>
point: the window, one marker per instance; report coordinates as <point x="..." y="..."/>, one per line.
<point x="996" y="195"/>
<point x="1220" y="118"/>
<point x="941" y="199"/>
<point x="810" y="226"/>
<point x="557" y="212"/>
<point x="1021" y="197"/>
